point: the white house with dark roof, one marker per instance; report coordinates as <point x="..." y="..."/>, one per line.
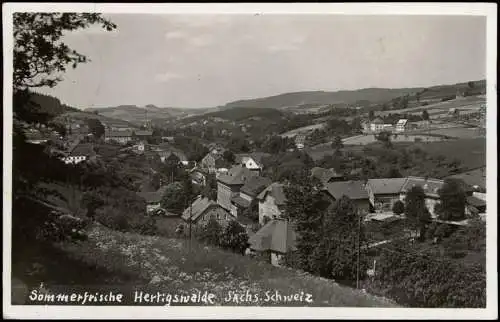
<point x="153" y="199"/>
<point x="202" y="210"/>
<point x="251" y="161"/>
<point x="248" y="192"/>
<point x="79" y="153"/>
<point x="230" y="183"/>
<point x="272" y="201"/>
<point x="401" y="125"/>
<point x="122" y="137"/>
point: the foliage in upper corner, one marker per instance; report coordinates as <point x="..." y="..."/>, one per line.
<point x="39" y="53"/>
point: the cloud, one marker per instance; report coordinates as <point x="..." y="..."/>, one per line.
<point x="167" y="77"/>
<point x="176" y="34"/>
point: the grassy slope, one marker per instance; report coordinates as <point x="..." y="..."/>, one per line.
<point x="134" y="259"/>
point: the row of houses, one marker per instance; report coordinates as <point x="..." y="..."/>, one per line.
<point x="378" y="125"/>
<point x="126" y="136"/>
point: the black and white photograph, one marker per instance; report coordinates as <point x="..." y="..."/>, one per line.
<point x="250" y="160"/>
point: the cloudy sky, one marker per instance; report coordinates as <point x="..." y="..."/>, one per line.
<point x="209" y="60"/>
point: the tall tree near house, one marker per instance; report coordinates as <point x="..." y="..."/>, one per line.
<point x="371" y="115"/>
<point x="416" y="211"/>
<point x="304" y="208"/>
<point x="228" y="156"/>
<point x="234" y="237"/>
<point x="452" y="201"/>
<point x="341" y="240"/>
<point x="337" y="143"/>
<point x="96" y="128"/>
<point x="425" y="115"/>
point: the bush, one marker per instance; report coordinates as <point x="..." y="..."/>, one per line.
<point x="234" y="238"/>
<point x="398" y="208"/>
<point x="210" y="233"/>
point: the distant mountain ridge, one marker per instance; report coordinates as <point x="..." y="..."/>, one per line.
<point x="288" y="101"/>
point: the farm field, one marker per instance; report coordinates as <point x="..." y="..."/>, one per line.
<point x="472" y="102"/>
<point x="161" y="263"/>
<point x="457" y="132"/>
<point x="303" y="130"/>
<point x="370" y="138"/>
<point x="471" y="152"/>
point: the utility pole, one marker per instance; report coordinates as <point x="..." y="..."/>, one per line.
<point x="190" y="222"/>
<point x="359" y="237"/>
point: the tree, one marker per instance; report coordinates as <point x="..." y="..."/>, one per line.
<point x="452" y="200"/>
<point x="38" y="56"/>
<point x="398" y="208"/>
<point x="234" y="237"/>
<point x="336" y="253"/>
<point x="38" y="52"/>
<point x="371" y="115"/>
<point x="385" y="138"/>
<point x="425" y="115"/>
<point x="471" y="85"/>
<point x="96" y="128"/>
<point x="337" y="143"/>
<point x="211" y="233"/>
<point x="416" y="211"/>
<point x="174" y="199"/>
<point x="228" y="156"/>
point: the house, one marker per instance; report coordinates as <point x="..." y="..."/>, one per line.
<point x="272" y="201"/>
<point x="326" y="175"/>
<point x="475" y="206"/>
<point x="431" y="189"/>
<point x="377" y="125"/>
<point x="230" y="183"/>
<point x="383" y="193"/>
<point x="169" y="139"/>
<point x="252" y="161"/>
<point x="300" y="141"/>
<point x="214" y="162"/>
<point x="80" y="153"/>
<point x="354" y="190"/>
<point x="248" y="193"/>
<point x="401" y="125"/>
<point x="198" y="177"/>
<point x="173" y="155"/>
<point x="274" y="240"/>
<point x="143" y="134"/>
<point x="203" y="209"/>
<point x="122" y="137"/>
<point x="153" y="199"/>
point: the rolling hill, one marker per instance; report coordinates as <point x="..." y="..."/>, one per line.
<point x="138" y="115"/>
<point x="309" y="99"/>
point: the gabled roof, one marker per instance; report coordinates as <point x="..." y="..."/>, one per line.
<point x="143" y="133"/>
<point x="476" y="202"/>
<point x="255" y="185"/>
<point x="256" y="156"/>
<point x="117" y="134"/>
<point x="153" y="197"/>
<point x="324" y="175"/>
<point x="402" y="122"/>
<point x="355" y="190"/>
<point x="237" y="175"/>
<point x="386" y="186"/>
<point x="198" y="207"/>
<point x="276" y="191"/>
<point x="431" y="186"/>
<point x="377" y="120"/>
<point x="277" y="236"/>
<point x="240" y="201"/>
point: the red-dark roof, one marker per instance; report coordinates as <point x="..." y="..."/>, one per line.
<point x="255" y="185"/>
<point x="355" y="190"/>
<point x="237" y="175"/>
<point x="276" y="191"/>
<point x="276" y="235"/>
